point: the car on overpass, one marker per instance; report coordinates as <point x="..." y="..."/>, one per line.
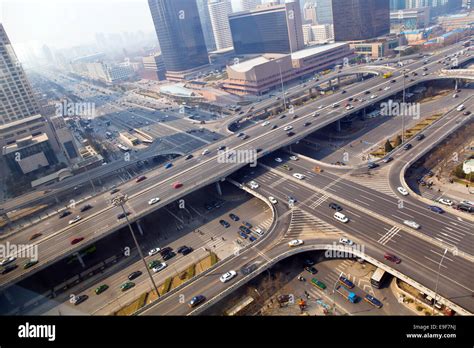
<point x="196" y="301"/>
<point x="140" y="178"/>
<point x="35" y="235"/>
<point x="177" y="185"/>
<point x="74" y="220"/>
<point x="159" y="267"/>
<point x="77" y="240"/>
<point x="86" y="208"/>
<point x="227" y="276"/>
<point x="134" y="275"/>
<point x="153" y="201"/>
<point x="64" y="214"/>
<point x="154" y="251"/>
<point x="295" y="243"/>
<point x="7" y="260"/>
<point x="127" y="285"/>
<point x="77" y="300"/>
<point x="392" y="258"/>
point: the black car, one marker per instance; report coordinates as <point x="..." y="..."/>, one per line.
<point x="274" y="127"/>
<point x="259" y="150"/>
<point x="134" y="275"/>
<point x="224" y="223"/>
<point x="465" y="207"/>
<point x="187" y="250"/>
<point x="188" y="157"/>
<point x="169" y="255"/>
<point x="350" y="99"/>
<point x="343" y="91"/>
<point x="282" y="117"/>
<point x="335" y="206"/>
<point x="393" y="81"/>
<point x="115" y="190"/>
<point x="86" y="208"/>
<point x="8" y="269"/>
<point x="367" y="92"/>
<point x="234" y="217"/>
<point x="372" y="165"/>
<point x="181" y="248"/>
<point x="387" y="159"/>
<point x="466" y="113"/>
<point x="311" y="270"/>
<point x="407" y="147"/>
<point x="165" y="250"/>
<point x="221" y="148"/>
<point x="122" y="215"/>
<point x="295" y="117"/>
<point x="307" y="124"/>
<point x="64" y="214"/>
<point x="309" y="262"/>
<point x="290" y="134"/>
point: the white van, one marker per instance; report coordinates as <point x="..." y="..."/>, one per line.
<point x="341" y="217"/>
<point x="460" y="107"/>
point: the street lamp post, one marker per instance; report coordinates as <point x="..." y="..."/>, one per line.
<point x="334" y="293"/>
<point x="282" y="87"/>
<point x="119" y="201"/>
<point x="437" y="279"/>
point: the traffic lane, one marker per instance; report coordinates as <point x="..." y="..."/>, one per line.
<point x="414" y="250"/>
<point x="381" y="203"/>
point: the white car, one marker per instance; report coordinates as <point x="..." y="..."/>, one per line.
<point x="373" y="96"/>
<point x="160" y="267"/>
<point x="227" y="276"/>
<point x="266" y="123"/>
<point x="294" y="158"/>
<point x="445" y="201"/>
<point x="386" y="88"/>
<point x="402" y="190"/>
<point x="278" y="159"/>
<point x="154" y="251"/>
<point x="320" y="107"/>
<point x="259" y="231"/>
<point x="346" y="241"/>
<point x="8" y="260"/>
<point x="295" y="242"/>
<point x="341" y="217"/>
<point x="288" y="128"/>
<point x="349" y="107"/>
<point x="335" y="105"/>
<point x="73" y="221"/>
<point x="205" y="152"/>
<point x="253" y="185"/>
<point x="412" y="224"/>
<point x="272" y="200"/>
<point x="299" y="176"/>
<point x="153" y="201"/>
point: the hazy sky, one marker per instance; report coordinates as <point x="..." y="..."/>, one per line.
<point x="65" y="23"/>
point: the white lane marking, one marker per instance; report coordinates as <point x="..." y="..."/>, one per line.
<point x="361" y="202"/>
<point x="439" y="254"/>
<point x="436" y="262"/>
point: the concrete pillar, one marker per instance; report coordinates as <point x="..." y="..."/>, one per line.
<point x="456" y="84"/>
<point x="218" y="188"/>
<point x="139" y="226"/>
<point x="81" y="261"/>
<point x="338" y="80"/>
<point x="338" y="125"/>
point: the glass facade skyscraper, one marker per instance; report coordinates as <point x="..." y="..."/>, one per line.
<point x="360" y="19"/>
<point x="179" y="32"/>
<point x="206" y="24"/>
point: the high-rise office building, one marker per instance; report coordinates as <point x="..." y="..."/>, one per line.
<point x="180" y="35"/>
<point x="17" y="100"/>
<point x="397" y="5"/>
<point x="310" y="13"/>
<point x="269" y="29"/>
<point x="248" y="5"/>
<point x="206" y="24"/>
<point x="360" y="19"/>
<point x="324" y="11"/>
<point x="219" y="11"/>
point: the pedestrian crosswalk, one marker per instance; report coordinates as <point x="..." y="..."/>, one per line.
<point x="304" y="224"/>
<point x="378" y="182"/>
<point x="319" y="201"/>
<point x="389" y="235"/>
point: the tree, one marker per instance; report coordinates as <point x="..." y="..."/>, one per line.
<point x="398" y="141"/>
<point x="388" y="146"/>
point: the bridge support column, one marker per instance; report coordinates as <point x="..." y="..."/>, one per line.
<point x="338" y="81"/>
<point x="81" y="261"/>
<point x="218" y="188"/>
<point x="139" y="226"/>
<point x="456" y="83"/>
<point x="338" y="126"/>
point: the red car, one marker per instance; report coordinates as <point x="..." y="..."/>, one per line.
<point x="140" y="178"/>
<point x="177" y="185"/>
<point x="392" y="258"/>
<point x="77" y="240"/>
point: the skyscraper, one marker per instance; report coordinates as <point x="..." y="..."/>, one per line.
<point x="324" y="11"/>
<point x="360" y="19"/>
<point x="179" y="33"/>
<point x="206" y="24"/>
<point x="219" y="11"/>
<point x="248" y="5"/>
<point x="272" y="29"/>
<point x="16" y="96"/>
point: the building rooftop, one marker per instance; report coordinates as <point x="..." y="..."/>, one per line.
<point x="248" y="65"/>
<point x="25" y="142"/>
<point x="316" y="50"/>
<point x="178" y="90"/>
<point x="18" y="122"/>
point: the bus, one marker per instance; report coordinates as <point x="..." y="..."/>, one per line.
<point x="387" y="75"/>
<point x="377" y="278"/>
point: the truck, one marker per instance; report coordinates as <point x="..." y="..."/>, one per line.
<point x="348" y="295"/>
